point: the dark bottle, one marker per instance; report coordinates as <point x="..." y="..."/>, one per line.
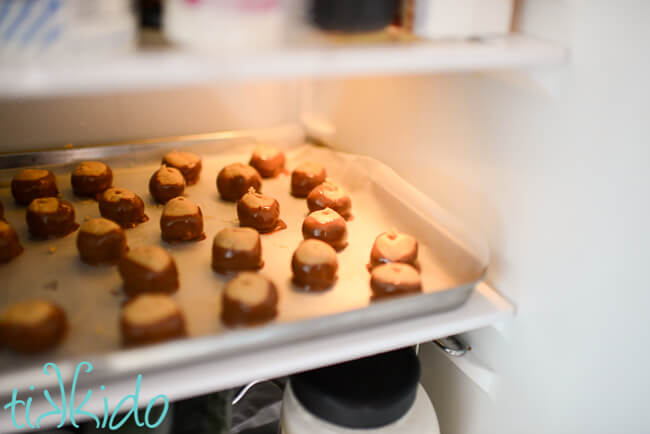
<point x="353" y="16"/>
<point x="150" y="12"/>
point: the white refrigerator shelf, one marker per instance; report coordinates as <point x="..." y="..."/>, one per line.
<point x="484" y="307"/>
<point x="168" y="67"/>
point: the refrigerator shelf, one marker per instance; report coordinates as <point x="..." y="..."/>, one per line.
<point x="485" y="307"/>
<point x="156" y="66"/>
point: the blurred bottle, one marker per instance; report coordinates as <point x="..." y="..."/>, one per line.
<point x="353" y="16"/>
<point x="227" y="26"/>
<point x="150" y="13"/>
<point x="380" y="394"/>
<point x="457" y="19"/>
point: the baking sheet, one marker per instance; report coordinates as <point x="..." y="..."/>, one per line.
<point x="451" y="262"/>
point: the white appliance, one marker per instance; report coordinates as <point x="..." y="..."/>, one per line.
<point x="539" y="142"/>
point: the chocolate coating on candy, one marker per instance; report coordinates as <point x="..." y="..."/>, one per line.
<point x="101" y="241"/>
<point x="394" y="247"/>
<point x="326" y="225"/>
<point x="90" y="178"/>
<point x="10" y="246"/>
<point x="32" y="326"/>
<point x="2" y="211"/>
<point x="249" y="299"/>
<point x="268" y="161"/>
<point x="260" y="212"/>
<point x="329" y="195"/>
<point x="166" y="183"/>
<point x="30" y="184"/>
<point x="182" y="220"/>
<point x="394" y="279"/>
<point x="306" y="177"/>
<point x="49" y="217"/>
<point x="236" y="179"/>
<point x="236" y="249"/>
<point x="189" y="164"/>
<point x="149" y="319"/>
<point x="123" y="207"/>
<point x="314" y="265"/>
<point x="148" y="269"/>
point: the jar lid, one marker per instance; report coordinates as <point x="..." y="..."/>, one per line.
<point x="367" y="393"/>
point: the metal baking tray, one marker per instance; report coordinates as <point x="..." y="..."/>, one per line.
<point x="452" y="262"/>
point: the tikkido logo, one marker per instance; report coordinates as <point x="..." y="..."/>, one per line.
<point x="66" y="405"/>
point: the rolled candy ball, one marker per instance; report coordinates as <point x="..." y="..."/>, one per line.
<point x="10" y="246"/>
<point x="49" y="217"/>
<point x="268" y="161"/>
<point x="306" y="177"/>
<point x="148" y="269"/>
<point x="329" y="195"/>
<point x="236" y="249"/>
<point x="326" y="225"/>
<point x="101" y="241"/>
<point x="189" y="164"/>
<point x="249" y="299"/>
<point x="123" y="207"/>
<point x="394" y="246"/>
<point x="90" y="178"/>
<point x="166" y="183"/>
<point x="149" y="319"/>
<point x="32" y="326"/>
<point x="314" y="265"/>
<point x="30" y="184"/>
<point x="394" y="279"/>
<point x="257" y="211"/>
<point x="181" y="220"/>
<point x="236" y="179"/>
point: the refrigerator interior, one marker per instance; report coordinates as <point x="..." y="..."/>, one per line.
<point x="549" y="165"/>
